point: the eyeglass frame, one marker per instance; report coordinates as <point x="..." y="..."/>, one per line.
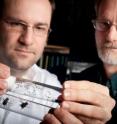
<point x="14" y="23"/>
<point x="105" y="23"/>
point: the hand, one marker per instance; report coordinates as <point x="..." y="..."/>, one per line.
<point x="83" y="102"/>
<point x="4" y="73"/>
<point x="60" y="116"/>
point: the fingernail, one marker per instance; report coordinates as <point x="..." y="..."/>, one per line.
<point x="46" y="117"/>
<point x="4" y="91"/>
<point x="66" y="85"/>
<point x="60" y="98"/>
<point x="5" y="85"/>
<point x="66" y="94"/>
<point x="51" y="110"/>
<point x="65" y="105"/>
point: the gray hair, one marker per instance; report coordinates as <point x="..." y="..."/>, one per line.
<point x="97" y="5"/>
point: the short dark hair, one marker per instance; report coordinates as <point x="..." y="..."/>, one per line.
<point x="52" y="2"/>
<point x="3" y="3"/>
<point x="97" y="4"/>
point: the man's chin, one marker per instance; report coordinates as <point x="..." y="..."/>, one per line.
<point x="109" y="60"/>
<point x="21" y="66"/>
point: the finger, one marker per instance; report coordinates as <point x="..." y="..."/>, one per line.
<point x="66" y="117"/>
<point x="3" y="84"/>
<point x="88" y="96"/>
<point x="2" y="92"/>
<point x="4" y="71"/>
<point x="86" y="120"/>
<point x="86" y="85"/>
<point x="50" y="119"/>
<point x="86" y="110"/>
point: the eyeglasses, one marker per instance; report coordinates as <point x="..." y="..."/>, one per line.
<point x="102" y="25"/>
<point x="19" y="27"/>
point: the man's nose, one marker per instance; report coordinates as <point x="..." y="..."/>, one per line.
<point x="112" y="34"/>
<point x="27" y="36"/>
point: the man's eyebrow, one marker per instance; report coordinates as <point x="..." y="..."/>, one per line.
<point x="14" y="19"/>
<point x="42" y="24"/>
<point x="22" y="21"/>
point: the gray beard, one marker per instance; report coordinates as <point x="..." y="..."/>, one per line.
<point x="107" y="58"/>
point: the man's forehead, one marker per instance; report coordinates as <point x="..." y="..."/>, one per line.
<point x="13" y="4"/>
<point x="29" y="10"/>
<point x="108" y="9"/>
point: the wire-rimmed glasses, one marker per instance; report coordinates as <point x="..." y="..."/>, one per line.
<point x="103" y="25"/>
<point x="18" y="26"/>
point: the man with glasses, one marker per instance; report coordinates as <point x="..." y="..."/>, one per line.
<point x="105" y="72"/>
<point x="24" y="29"/>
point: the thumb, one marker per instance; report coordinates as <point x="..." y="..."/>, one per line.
<point x="4" y="71"/>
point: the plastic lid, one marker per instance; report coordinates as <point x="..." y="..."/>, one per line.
<point x="10" y="82"/>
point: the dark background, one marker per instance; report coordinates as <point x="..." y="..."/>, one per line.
<point x="72" y="27"/>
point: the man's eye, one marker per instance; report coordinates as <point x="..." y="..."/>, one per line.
<point x="15" y="24"/>
<point x="41" y="28"/>
<point x="106" y="24"/>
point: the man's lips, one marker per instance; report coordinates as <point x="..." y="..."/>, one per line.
<point x="23" y="51"/>
<point x="111" y="46"/>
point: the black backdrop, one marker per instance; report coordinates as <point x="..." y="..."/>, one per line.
<point x="72" y="27"/>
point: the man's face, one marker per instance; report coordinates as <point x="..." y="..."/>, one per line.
<point x="107" y="40"/>
<point x="23" y="32"/>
